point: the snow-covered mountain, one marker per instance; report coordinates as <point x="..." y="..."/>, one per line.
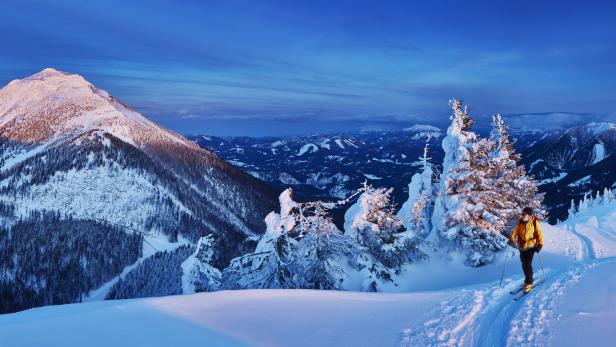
<point x="572" y="163"/>
<point x="72" y="157"/>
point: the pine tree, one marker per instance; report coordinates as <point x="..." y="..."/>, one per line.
<point x="272" y="264"/>
<point x="373" y="223"/>
<point x="512" y="188"/>
<point x="608" y="195"/>
<point x="198" y="274"/>
<point x="415" y="213"/>
<point x="462" y="218"/>
<point x="572" y="209"/>
<point x="302" y="248"/>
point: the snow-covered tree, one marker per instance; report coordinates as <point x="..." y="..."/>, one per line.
<point x="198" y="274"/>
<point x="416" y="211"/>
<point x="384" y="244"/>
<point x="572" y="209"/>
<point x="512" y="189"/>
<point x="500" y="135"/>
<point x="324" y="258"/>
<point x="588" y="201"/>
<point x="324" y="253"/>
<point x="302" y="248"/>
<point x="271" y="265"/>
<point x="608" y="195"/>
<point x="462" y="219"/>
<point x="584" y="203"/>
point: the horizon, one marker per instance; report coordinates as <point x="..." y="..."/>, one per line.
<point x="275" y="68"/>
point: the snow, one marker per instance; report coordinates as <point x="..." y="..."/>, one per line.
<point x="56" y="103"/>
<point x="442" y="304"/>
<point x="339" y="143"/>
<point x="532" y="165"/>
<point x="151" y="246"/>
<point x="591" y="317"/>
<point x="436" y="302"/>
<point x="600" y="127"/>
<point x="582" y="181"/>
<point x="119" y="196"/>
<point x="553" y="179"/>
<point x="372" y="177"/>
<point x="598" y="153"/>
<point x="308" y="147"/>
<point x="383" y="160"/>
<point x="227" y="318"/>
<point x="350" y="143"/>
<point x="12" y="158"/>
<point x="422" y="128"/>
<point x="596" y="227"/>
<point x="325" y="144"/>
<point x="197" y="273"/>
<point x="422" y="131"/>
<point x="287" y="178"/>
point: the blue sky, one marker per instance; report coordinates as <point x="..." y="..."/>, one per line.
<point x="281" y="67"/>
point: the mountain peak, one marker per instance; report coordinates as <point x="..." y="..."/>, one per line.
<point x="422" y="128"/>
<point x="49" y="72"/>
<point x="52" y="104"/>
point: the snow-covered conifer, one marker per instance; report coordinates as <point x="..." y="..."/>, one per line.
<point x="461" y="217"/>
<point x="608" y="195"/>
<point x="271" y="265"/>
<point x="372" y="222"/>
<point x="198" y="275"/>
<point x="416" y="211"/>
<point x="512" y="188"/>
<point x="324" y="259"/>
<point x="572" y="209"/>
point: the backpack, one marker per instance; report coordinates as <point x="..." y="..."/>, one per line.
<point x="535" y="230"/>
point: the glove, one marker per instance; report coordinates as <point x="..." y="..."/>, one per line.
<point x="512" y="244"/>
<point x="538" y="248"/>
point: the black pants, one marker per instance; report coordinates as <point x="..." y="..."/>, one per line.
<point x="526" y="257"/>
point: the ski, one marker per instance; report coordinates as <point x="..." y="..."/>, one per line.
<point x="515" y="291"/>
<point x="518" y="297"/>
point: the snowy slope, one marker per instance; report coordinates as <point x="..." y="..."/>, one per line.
<point x="57" y="110"/>
<point x="228" y="318"/>
<point x="575" y="305"/>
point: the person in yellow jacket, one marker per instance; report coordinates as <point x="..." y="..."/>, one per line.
<point x="528" y="238"/>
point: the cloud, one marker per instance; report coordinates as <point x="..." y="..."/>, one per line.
<point x="190" y="116"/>
<point x="556" y="120"/>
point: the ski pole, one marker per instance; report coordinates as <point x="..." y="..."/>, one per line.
<point x="503" y="273"/>
<point x="542" y="269"/>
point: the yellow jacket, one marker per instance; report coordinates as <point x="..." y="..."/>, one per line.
<point x="524" y="234"/>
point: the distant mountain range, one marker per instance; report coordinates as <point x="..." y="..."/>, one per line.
<point x="573" y="162"/>
<point x="568" y="162"/>
<point x="330" y="166"/>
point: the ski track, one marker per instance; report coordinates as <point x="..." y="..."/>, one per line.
<point x="488" y="315"/>
<point x="529" y="323"/>
<point x="589" y="250"/>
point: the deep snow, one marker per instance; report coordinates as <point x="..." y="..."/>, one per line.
<point x="457" y="307"/>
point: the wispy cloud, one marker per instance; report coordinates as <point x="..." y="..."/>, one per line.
<point x="194" y="62"/>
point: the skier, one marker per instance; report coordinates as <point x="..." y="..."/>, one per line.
<point x="528" y="238"/>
